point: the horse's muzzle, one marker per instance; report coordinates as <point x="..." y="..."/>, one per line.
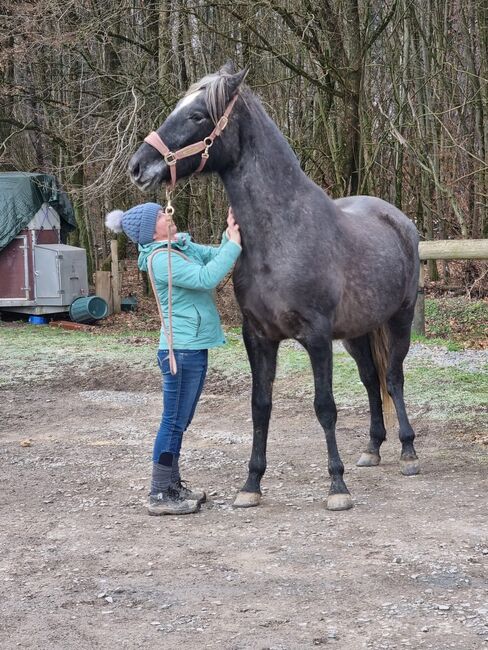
<point x="146" y="175"/>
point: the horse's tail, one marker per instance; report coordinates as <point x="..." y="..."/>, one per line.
<point x="379" y="342"/>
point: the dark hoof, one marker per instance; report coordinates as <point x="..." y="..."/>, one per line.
<point x="368" y="460"/>
<point x="339" y="502"/>
<point x="410" y="467"/>
<point x="247" y="500"/>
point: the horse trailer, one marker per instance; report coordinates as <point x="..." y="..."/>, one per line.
<point x="38" y="273"/>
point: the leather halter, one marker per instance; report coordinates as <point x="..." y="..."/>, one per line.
<point x="172" y="157"/>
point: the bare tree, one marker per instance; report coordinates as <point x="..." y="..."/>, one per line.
<point x="389" y="98"/>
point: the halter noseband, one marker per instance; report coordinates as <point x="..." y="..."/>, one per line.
<point x="172" y="157"/>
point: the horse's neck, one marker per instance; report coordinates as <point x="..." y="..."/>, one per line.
<point x="264" y="183"/>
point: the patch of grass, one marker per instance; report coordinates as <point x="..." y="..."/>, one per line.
<point x="30" y="353"/>
<point x="28" y="337"/>
<point x="457" y="319"/>
<point x="449" y="393"/>
<point x="35" y="354"/>
<point x="293" y="369"/>
<point x="230" y="359"/>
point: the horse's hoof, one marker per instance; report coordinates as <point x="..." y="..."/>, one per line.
<point x="247" y="500"/>
<point x="368" y="460"/>
<point x="410" y="467"/>
<point x="339" y="502"/>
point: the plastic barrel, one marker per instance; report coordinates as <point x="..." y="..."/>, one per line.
<point x="88" y="309"/>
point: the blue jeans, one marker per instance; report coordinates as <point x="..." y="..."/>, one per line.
<point x="181" y="393"/>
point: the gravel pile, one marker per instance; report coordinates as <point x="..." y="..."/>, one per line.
<point x="468" y="360"/>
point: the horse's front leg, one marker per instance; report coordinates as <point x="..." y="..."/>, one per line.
<point x="319" y="349"/>
<point x="262" y="356"/>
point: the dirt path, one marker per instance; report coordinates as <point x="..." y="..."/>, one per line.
<point x="83" y="566"/>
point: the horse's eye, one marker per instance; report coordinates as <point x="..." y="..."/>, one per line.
<point x="197" y="117"/>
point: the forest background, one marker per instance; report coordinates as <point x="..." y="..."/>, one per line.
<point x="388" y="98"/>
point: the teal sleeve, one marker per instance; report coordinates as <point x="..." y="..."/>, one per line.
<point x="209" y="252"/>
<point x="188" y="275"/>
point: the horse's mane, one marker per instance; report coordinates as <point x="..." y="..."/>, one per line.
<point x="216" y="98"/>
<point x="215" y="92"/>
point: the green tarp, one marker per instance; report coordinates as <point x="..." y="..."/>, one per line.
<point x="21" y="196"/>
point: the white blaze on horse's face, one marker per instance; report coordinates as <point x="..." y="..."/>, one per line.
<point x="186" y="101"/>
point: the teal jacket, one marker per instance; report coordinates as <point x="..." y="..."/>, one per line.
<point x="196" y="322"/>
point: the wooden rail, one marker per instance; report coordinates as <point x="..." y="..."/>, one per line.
<point x="445" y="249"/>
<point x="454" y="249"/>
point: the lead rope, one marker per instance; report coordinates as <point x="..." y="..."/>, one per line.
<point x="169" y="211"/>
<point x="168" y="331"/>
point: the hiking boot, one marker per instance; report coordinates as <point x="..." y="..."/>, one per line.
<point x="170" y="502"/>
<point x="185" y="492"/>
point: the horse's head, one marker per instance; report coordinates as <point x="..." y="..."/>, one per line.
<point x="193" y="120"/>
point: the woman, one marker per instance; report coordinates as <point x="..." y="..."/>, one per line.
<point x="196" y="271"/>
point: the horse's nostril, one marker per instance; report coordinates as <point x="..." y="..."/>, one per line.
<point x="134" y="169"/>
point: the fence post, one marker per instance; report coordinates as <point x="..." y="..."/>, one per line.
<point x="103" y="288"/>
<point x="444" y="249"/>
<point x="115" y="275"/>
<point x="418" y="325"/>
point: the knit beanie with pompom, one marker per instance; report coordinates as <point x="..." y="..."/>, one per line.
<point x="138" y="223"/>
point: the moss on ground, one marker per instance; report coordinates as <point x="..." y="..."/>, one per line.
<point x="33" y="354"/>
<point x="457" y="319"/>
<point x="30" y="353"/>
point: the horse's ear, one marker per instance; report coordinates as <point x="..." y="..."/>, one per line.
<point x="228" y="68"/>
<point x="234" y="81"/>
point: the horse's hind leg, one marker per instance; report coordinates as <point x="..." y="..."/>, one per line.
<point x="360" y="350"/>
<point x="262" y="355"/>
<point x="399" y="331"/>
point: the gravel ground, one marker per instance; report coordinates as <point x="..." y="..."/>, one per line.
<point x="83" y="566"/>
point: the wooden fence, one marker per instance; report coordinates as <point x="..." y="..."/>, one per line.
<point x="458" y="249"/>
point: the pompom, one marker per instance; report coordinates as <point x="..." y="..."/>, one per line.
<point x="113" y="220"/>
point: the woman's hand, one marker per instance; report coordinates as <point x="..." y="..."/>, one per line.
<point x="233" y="228"/>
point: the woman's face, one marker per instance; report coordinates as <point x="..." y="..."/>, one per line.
<point x="161" y="228"/>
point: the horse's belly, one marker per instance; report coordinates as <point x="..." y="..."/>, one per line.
<point x="353" y="329"/>
<point x="353" y="319"/>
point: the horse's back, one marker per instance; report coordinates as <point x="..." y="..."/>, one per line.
<point x="374" y="214"/>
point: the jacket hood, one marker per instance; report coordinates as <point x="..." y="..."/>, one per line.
<point x="181" y="243"/>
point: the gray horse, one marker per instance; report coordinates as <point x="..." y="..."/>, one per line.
<point x="312" y="269"/>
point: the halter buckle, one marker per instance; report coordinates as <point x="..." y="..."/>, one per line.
<point x="169" y="210"/>
<point x="170" y="158"/>
<point x="208" y="142"/>
<point x="222" y="123"/>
